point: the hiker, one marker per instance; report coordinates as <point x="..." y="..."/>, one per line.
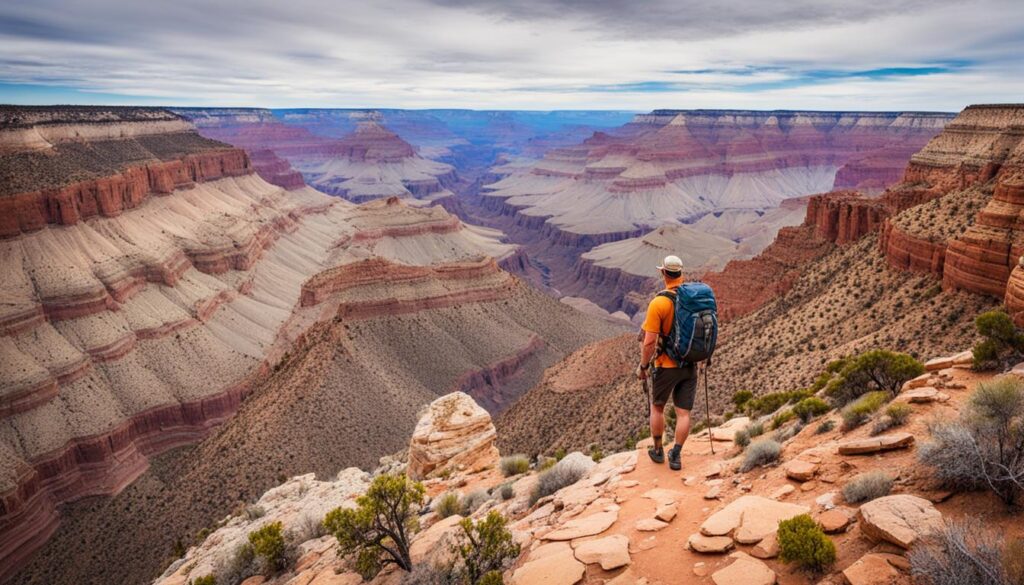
<point x="675" y="352"/>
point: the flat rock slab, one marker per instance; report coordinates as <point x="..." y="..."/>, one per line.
<point x="550" y="564"/>
<point x="650" y="525"/>
<point x="939" y="363"/>
<point x="922" y="380"/>
<point x="900" y="519"/>
<point x="585" y="526"/>
<point x="663" y="497"/>
<point x="923" y="395"/>
<point x="751" y="517"/>
<point x="709" y="544"/>
<point x="745" y="570"/>
<point x="834" y="520"/>
<point x="768" y="548"/>
<point x="876" y="444"/>
<point x="871" y="569"/>
<point x="800" y="470"/>
<point x="611" y="552"/>
<point x="727" y="430"/>
<point x="666" y="513"/>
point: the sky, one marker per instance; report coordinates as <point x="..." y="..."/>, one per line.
<point x="499" y="54"/>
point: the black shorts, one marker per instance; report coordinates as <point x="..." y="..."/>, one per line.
<point x="679" y="383"/>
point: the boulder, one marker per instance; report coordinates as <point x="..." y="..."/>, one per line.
<point x="900" y="519"/>
<point x="800" y="470"/>
<point x="585" y="526"/>
<point x="727" y="430"/>
<point x="709" y="544"/>
<point x="745" y="570"/>
<point x="455" y="433"/>
<point x="550" y="564"/>
<point x="611" y="552"/>
<point x="876" y="444"/>
<point x="871" y="569"/>
<point x="939" y="363"/>
<point x="964" y="359"/>
<point x="918" y="382"/>
<point x="666" y="513"/>
<point x="768" y="548"/>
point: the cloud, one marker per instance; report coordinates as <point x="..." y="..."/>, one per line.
<point x="893" y="54"/>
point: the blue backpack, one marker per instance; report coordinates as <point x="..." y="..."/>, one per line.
<point x="694" y="329"/>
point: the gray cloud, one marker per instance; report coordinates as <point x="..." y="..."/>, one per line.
<point x="529" y="54"/>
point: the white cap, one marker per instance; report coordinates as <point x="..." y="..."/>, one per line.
<point x="672" y="264"/>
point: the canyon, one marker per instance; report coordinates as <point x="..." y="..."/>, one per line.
<point x="156" y="286"/>
<point x="715" y="173"/>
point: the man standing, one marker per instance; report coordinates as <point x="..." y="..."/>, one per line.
<point x="671" y="379"/>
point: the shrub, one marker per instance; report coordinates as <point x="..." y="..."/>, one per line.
<point x="876" y="370"/>
<point x="559" y="453"/>
<point x="858" y="412"/>
<point x="507" y="491"/>
<point x="867" y="486"/>
<point x="474" y="500"/>
<point x="240" y="565"/>
<point x="787" y="433"/>
<point x="377" y="531"/>
<point x="803" y="542"/>
<point x="484" y="547"/>
<point x="268" y="544"/>
<point x="967" y="553"/>
<point x="782" y="417"/>
<point x="254" y="512"/>
<point x="556" y="478"/>
<point x="825" y="426"/>
<point x="204" y="580"/>
<point x="514" y="465"/>
<point x="756" y="429"/>
<point x="985" y="447"/>
<point x="447" y="504"/>
<point x="597" y="455"/>
<point x="741" y="398"/>
<point x="546" y="463"/>
<point x="895" y="415"/>
<point x="811" y="407"/>
<point x="1000" y="339"/>
<point x="760" y="452"/>
<point x="307" y="528"/>
<point x="741" y="438"/>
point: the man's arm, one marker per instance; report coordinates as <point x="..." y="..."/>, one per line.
<point x="647" y="347"/>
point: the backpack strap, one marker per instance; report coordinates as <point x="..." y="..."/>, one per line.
<point x="671" y="295"/>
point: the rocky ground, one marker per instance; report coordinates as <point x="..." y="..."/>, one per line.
<point x="629" y="520"/>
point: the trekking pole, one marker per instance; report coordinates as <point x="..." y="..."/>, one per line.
<point x="707" y="409"/>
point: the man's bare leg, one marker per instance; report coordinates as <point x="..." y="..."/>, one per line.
<point x="657" y="427"/>
<point x="682" y="425"/>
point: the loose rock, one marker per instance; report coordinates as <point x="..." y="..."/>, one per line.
<point x="746" y="570"/>
<point x="876" y="444"/>
<point x="611" y="552"/>
<point x="900" y="519"/>
<point x="709" y="544"/>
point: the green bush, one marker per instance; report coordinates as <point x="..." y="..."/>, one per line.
<point x="803" y="542"/>
<point x="759" y="453"/>
<point x="507" y="491"/>
<point x="867" y="486"/>
<point x="984" y="449"/>
<point x="514" y="465"/>
<point x="205" y="580"/>
<point x="1000" y="339"/>
<point x="825" y="426"/>
<point x="895" y="415"/>
<point x="268" y="544"/>
<point x="782" y="417"/>
<point x="559" y="453"/>
<point x="491" y="578"/>
<point x="378" y="530"/>
<point x="741" y="397"/>
<point x="876" y="370"/>
<point x="741" y="438"/>
<point x="860" y="411"/>
<point x="597" y="455"/>
<point x="756" y="429"/>
<point x="447" y="504"/>
<point x="811" y="407"/>
<point x="484" y="547"/>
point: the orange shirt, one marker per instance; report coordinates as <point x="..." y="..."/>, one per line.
<point x="660" y="313"/>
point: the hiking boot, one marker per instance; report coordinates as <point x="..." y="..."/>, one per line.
<point x="656" y="455"/>
<point x="674" y="462"/>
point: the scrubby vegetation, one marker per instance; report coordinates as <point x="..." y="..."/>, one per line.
<point x="268" y="544"/>
<point x="204" y="580"/>
<point x="759" y="453"/>
<point x="867" y="486"/>
<point x="1001" y="341"/>
<point x="484" y="548"/>
<point x="447" y="504"/>
<point x="895" y="415"/>
<point x="859" y="412"/>
<point x="555" y="479"/>
<point x="514" y="465"/>
<point x="741" y="438"/>
<point x="825" y="426"/>
<point x="881" y="370"/>
<point x="968" y="553"/>
<point x="741" y="398"/>
<point x="810" y="407"/>
<point x="984" y="448"/>
<point x="474" y="500"/>
<point x="769" y="403"/>
<point x="756" y="429"/>
<point x="378" y="530"/>
<point x="782" y="417"/>
<point x="803" y="542"/>
<point x="507" y="492"/>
